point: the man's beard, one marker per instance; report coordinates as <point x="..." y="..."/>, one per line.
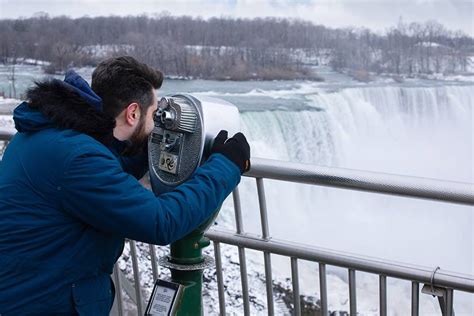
<point x="138" y="141"/>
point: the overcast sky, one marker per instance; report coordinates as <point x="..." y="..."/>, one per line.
<point x="374" y="14"/>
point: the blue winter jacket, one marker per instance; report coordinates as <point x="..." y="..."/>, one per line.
<point x="67" y="202"/>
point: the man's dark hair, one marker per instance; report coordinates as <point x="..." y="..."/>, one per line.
<point x="123" y="80"/>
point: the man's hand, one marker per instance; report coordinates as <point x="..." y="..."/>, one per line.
<point x="236" y="149"/>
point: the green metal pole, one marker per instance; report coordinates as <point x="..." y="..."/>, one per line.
<point x="186" y="254"/>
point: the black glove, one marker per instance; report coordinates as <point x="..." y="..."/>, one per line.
<point x="236" y="149"/>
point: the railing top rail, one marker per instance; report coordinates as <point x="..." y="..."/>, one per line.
<point x="443" y="278"/>
<point x="6" y="134"/>
<point x="439" y="190"/>
<point x="407" y="186"/>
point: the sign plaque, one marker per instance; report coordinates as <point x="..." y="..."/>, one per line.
<point x="164" y="299"/>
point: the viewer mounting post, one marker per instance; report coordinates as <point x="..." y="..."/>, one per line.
<point x="181" y="140"/>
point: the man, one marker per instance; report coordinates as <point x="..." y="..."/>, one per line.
<point x="69" y="193"/>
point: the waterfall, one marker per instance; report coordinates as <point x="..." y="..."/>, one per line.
<point x="346" y="127"/>
<point x="416" y="131"/>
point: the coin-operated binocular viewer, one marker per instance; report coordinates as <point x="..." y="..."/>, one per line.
<point x="185" y="127"/>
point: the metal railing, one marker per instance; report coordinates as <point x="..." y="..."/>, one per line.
<point x="441" y="283"/>
<point x="436" y="281"/>
<point x="5" y="137"/>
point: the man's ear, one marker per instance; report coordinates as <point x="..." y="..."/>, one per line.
<point x="132" y="114"/>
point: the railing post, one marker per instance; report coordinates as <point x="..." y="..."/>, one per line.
<point x="415" y="298"/>
<point x="241" y="250"/>
<point x="266" y="235"/>
<point x="220" y="279"/>
<point x="323" y="289"/>
<point x="118" y="303"/>
<point x="136" y="277"/>
<point x="154" y="262"/>
<point x="449" y="302"/>
<point x="444" y="295"/>
<point x="296" y="286"/>
<point x="383" y="295"/>
<point x="352" y="293"/>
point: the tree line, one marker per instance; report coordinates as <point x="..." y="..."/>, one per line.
<point x="234" y="48"/>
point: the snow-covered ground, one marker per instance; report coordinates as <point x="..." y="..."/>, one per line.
<point x="6" y="120"/>
<point x="28" y="61"/>
<point x="104" y="51"/>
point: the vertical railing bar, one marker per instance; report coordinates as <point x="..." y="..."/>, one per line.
<point x="263" y="208"/>
<point x="3" y="148"/>
<point x="449" y="302"/>
<point x="118" y="290"/>
<point x="269" y="282"/>
<point x="237" y="211"/>
<point x="415" y="296"/>
<point x="154" y="264"/>
<point x="296" y="286"/>
<point x="383" y="295"/>
<point x="127" y="286"/>
<point x="265" y="235"/>
<point x="242" y="260"/>
<point x="323" y="289"/>
<point x="136" y="277"/>
<point x="220" y="279"/>
<point x="244" y="280"/>
<point x="352" y="293"/>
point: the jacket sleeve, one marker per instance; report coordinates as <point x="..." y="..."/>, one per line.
<point x="99" y="193"/>
<point x="136" y="165"/>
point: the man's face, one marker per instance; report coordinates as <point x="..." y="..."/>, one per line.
<point x="146" y="124"/>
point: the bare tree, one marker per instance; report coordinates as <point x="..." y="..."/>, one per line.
<point x="226" y="47"/>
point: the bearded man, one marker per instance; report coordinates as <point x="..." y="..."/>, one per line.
<point x="69" y="190"/>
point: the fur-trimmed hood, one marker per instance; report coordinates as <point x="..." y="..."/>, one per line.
<point x="68" y="104"/>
